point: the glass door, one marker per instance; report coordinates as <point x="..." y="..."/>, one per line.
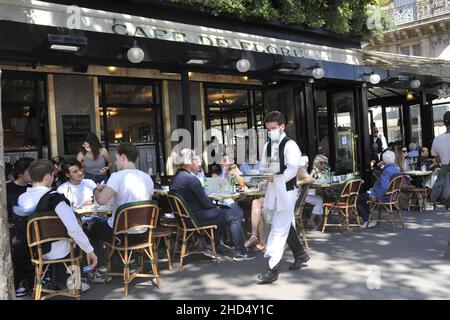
<point x="344" y="125"/>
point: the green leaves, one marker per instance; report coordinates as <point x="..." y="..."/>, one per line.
<point x="346" y="17"/>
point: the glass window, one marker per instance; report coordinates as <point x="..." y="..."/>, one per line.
<point x="416" y="50"/>
<point x="377" y="118"/>
<point x="438" y="114"/>
<point x="135" y="125"/>
<point x="128" y="94"/>
<point x="320" y="98"/>
<point x="404" y="50"/>
<point x="394" y="125"/>
<point x="416" y="125"/>
<point x="227" y="97"/>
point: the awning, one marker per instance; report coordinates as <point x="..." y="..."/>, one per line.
<point x="409" y="64"/>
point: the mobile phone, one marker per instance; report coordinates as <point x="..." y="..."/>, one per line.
<point x="87" y="269"/>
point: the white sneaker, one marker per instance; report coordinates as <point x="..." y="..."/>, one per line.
<point x="84" y="285"/>
<point x="369" y="225"/>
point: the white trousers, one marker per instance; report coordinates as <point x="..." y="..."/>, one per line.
<point x="317" y="203"/>
<point x="279" y="231"/>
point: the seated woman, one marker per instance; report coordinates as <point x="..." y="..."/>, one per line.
<point x="314" y="197"/>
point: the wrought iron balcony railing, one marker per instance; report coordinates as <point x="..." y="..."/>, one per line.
<point x="420" y="10"/>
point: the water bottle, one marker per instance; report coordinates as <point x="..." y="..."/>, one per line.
<point x="233" y="183"/>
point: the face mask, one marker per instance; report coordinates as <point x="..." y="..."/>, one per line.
<point x="274" y="135"/>
<point x="88" y="149"/>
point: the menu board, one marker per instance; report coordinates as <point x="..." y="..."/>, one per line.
<point x="75" y="129"/>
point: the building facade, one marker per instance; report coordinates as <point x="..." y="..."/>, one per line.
<point x="67" y="71"/>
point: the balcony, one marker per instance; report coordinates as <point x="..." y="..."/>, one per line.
<point x="416" y="12"/>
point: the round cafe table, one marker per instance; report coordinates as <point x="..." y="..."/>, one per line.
<point x="94" y="211"/>
<point x="417" y="173"/>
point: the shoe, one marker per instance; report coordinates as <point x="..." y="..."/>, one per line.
<point x="251" y="242"/>
<point x="84" y="285"/>
<point x="299" y="261"/>
<point x="221" y="249"/>
<point x="22" y="289"/>
<point x="229" y="247"/>
<point x="99" y="276"/>
<point x="369" y="225"/>
<point x="243" y="257"/>
<point x="269" y="276"/>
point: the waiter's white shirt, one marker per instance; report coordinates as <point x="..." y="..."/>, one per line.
<point x="292" y="156"/>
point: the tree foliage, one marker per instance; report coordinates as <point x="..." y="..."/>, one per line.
<point x="345" y="17"/>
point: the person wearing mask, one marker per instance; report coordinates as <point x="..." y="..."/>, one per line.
<point x="280" y="197"/>
<point x="441" y="150"/>
<point x="14" y="189"/>
<point x="41" y="198"/>
<point x="95" y="159"/>
<point x="377" y="192"/>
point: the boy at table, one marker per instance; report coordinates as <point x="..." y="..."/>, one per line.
<point x="40" y="198"/>
<point x="126" y="185"/>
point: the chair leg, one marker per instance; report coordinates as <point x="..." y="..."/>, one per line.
<point x="126" y="272"/>
<point x="390" y="212"/>
<point x="400" y="215"/>
<point x="183" y="249"/>
<point x="154" y="265"/>
<point x="347" y="219"/>
<point x="213" y="243"/>
<point x="325" y="219"/>
<point x="169" y="258"/>
<point x="39" y="276"/>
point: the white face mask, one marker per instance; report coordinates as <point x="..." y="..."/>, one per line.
<point x="274" y="134"/>
<point x="88" y="149"/>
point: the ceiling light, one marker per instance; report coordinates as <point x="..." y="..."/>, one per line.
<point x="317" y="71"/>
<point x="243" y="65"/>
<point x="112" y="69"/>
<point x="374" y="78"/>
<point x="410" y="96"/>
<point x="135" y="54"/>
<point x="415" y="83"/>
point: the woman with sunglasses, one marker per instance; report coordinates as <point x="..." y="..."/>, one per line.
<point x="401" y="159"/>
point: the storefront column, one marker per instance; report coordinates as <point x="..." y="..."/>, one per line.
<point x="362" y="128"/>
<point x="186" y="101"/>
<point x="97" y="107"/>
<point x="406" y="112"/>
<point x="308" y="122"/>
<point x="52" y="116"/>
<point x="167" y="128"/>
<point x="426" y="115"/>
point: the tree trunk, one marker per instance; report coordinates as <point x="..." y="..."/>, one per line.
<point x="6" y="271"/>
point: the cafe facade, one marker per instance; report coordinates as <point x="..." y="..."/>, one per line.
<point x="136" y="70"/>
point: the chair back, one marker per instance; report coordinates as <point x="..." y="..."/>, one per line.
<point x="350" y="192"/>
<point x="183" y="214"/>
<point x="42" y="230"/>
<point x="134" y="216"/>
<point x="394" y="189"/>
<point x="301" y="200"/>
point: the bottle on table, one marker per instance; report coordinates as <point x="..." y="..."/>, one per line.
<point x="233" y="183"/>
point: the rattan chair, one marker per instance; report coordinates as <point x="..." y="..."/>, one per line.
<point x="130" y="217"/>
<point x="299" y="207"/>
<point x="42" y="230"/>
<point x="188" y="226"/>
<point x="345" y="205"/>
<point x="389" y="203"/>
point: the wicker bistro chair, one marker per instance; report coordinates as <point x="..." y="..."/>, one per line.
<point x="130" y="217"/>
<point x="299" y="207"/>
<point x="42" y="230"/>
<point x="390" y="204"/>
<point x="344" y="205"/>
<point x="188" y="226"/>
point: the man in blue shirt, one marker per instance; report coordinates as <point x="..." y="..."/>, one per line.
<point x="204" y="210"/>
<point x="377" y="192"/>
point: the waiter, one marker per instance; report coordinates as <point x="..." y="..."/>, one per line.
<point x="281" y="196"/>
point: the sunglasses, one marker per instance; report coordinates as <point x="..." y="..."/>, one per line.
<point x="404" y="150"/>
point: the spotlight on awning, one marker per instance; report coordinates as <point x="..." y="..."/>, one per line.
<point x="66" y="43"/>
<point x="286" y="67"/>
<point x="199" y="57"/>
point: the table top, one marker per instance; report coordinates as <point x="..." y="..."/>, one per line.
<point x="161" y="192"/>
<point x="419" y="173"/>
<point x="93" y="210"/>
<point x="222" y="196"/>
<point x="319" y="184"/>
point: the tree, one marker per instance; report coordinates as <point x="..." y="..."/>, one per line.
<point x="6" y="270"/>
<point x="345" y="17"/>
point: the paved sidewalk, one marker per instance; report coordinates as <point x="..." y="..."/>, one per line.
<point x="413" y="263"/>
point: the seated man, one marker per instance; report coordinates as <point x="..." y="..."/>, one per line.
<point x="379" y="189"/>
<point x="77" y="190"/>
<point x="185" y="184"/>
<point x="40" y="198"/>
<point x="127" y="185"/>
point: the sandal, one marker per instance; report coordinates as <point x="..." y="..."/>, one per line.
<point x="261" y="247"/>
<point x="251" y="242"/>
